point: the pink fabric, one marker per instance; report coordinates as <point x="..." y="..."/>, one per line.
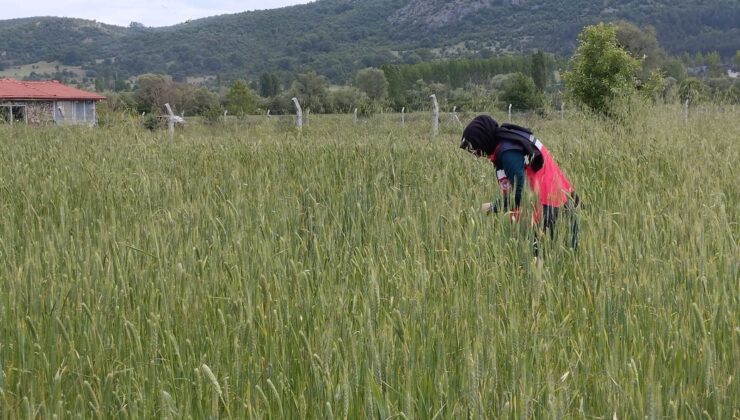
<point x="549" y="182"/>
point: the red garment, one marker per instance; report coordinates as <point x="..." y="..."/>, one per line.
<point x="549" y="183"/>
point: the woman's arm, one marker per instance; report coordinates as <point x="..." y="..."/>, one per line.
<point x="512" y="163"/>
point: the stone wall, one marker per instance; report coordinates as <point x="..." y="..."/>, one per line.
<point x="40" y="113"/>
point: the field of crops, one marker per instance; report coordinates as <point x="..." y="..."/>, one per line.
<point x="249" y="271"/>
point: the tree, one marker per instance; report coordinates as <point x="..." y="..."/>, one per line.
<point x="280" y="104"/>
<point x="698" y="59"/>
<point x="732" y="94"/>
<point x="120" y="85"/>
<point x="522" y="93"/>
<point x="642" y="44"/>
<point x="121" y="102"/>
<point x="500" y="81"/>
<point x="395" y="84"/>
<point x="418" y="96"/>
<point x="714" y="64"/>
<point x="205" y="102"/>
<point x="151" y="93"/>
<point x="311" y="90"/>
<point x="539" y="70"/>
<point x="345" y="99"/>
<point x="269" y="85"/>
<point x="601" y="71"/>
<point x="73" y="56"/>
<point x="373" y="82"/>
<point x="693" y="90"/>
<point x="240" y="100"/>
<point x="653" y="87"/>
<point x="674" y="68"/>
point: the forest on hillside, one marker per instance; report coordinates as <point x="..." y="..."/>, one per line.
<point x="337" y="37"/>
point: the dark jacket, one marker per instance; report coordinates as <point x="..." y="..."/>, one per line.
<point x="483" y="135"/>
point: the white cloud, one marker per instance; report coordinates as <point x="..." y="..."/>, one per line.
<point x="148" y="12"/>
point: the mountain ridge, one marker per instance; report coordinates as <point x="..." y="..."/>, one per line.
<point x="336" y="37"/>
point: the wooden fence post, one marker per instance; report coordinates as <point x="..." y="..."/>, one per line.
<point x="298" y="114"/>
<point x="403" y="116"/>
<point x="509" y="112"/>
<point x="435" y="115"/>
<point x="686" y="111"/>
<point x="454" y="116"/>
<point x="170" y="120"/>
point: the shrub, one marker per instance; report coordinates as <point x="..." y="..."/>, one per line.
<point x="693" y="90"/>
<point x="522" y="93"/>
<point x="151" y="122"/>
<point x="601" y="71"/>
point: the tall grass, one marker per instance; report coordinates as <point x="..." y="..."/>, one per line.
<point x="346" y="272"/>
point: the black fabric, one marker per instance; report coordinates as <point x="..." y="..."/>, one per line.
<point x="480" y="136"/>
<point x="505" y="146"/>
<point x="536" y="161"/>
<point x="483" y="135"/>
<point x="550" y="217"/>
<point x="511" y="126"/>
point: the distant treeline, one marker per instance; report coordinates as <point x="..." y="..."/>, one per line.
<point x="459" y="73"/>
<point x="404" y="79"/>
<point x="336" y="38"/>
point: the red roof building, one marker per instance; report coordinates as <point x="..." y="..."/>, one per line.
<point x="46" y="102"/>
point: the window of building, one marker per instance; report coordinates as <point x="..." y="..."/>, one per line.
<point x="12" y="114"/>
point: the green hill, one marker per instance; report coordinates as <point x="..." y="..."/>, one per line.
<point x="336" y="37"/>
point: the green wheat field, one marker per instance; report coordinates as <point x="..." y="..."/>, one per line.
<point x="251" y="271"/>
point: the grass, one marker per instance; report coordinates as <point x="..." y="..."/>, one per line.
<point x="50" y="67"/>
<point x="346" y="272"/>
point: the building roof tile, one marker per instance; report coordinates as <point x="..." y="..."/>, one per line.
<point x="45" y="90"/>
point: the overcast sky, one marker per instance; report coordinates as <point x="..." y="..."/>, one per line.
<point x="148" y="12"/>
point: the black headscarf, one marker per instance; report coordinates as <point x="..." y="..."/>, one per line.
<point x="479" y="137"/>
<point x="483" y="134"/>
